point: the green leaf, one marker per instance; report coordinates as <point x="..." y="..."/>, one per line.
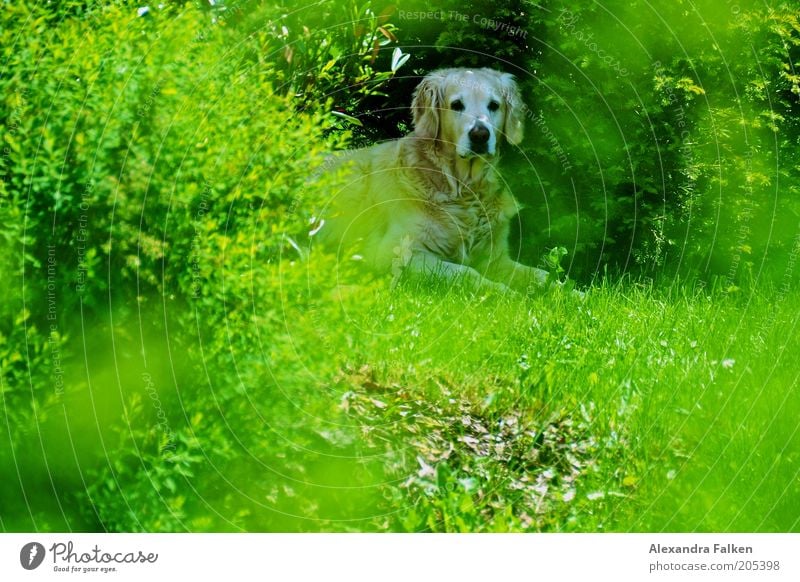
<point x="348" y="118"/>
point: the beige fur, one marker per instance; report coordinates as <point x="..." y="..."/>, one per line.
<point x="429" y="202"/>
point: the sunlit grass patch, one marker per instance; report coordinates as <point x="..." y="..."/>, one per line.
<point x="619" y="378"/>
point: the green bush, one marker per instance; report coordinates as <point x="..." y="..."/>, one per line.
<point x="158" y="167"/>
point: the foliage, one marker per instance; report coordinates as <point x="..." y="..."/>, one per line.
<point x="326" y="52"/>
<point x="135" y="185"/>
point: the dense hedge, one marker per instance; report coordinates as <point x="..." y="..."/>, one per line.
<point x="152" y="177"/>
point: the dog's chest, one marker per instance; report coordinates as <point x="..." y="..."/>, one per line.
<point x="459" y="227"/>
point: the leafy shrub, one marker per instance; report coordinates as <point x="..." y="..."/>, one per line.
<point x="158" y="165"/>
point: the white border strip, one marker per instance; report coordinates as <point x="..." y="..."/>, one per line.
<point x="402" y="557"/>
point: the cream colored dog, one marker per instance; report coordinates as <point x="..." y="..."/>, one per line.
<point x="431" y="202"/>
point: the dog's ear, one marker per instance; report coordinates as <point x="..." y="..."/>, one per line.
<point x="425" y="107"/>
<point x="515" y="110"/>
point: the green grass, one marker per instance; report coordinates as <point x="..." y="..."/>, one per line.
<point x="634" y="410"/>
<point x="363" y="408"/>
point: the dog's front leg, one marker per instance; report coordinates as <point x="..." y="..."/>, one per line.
<point x="428" y="264"/>
<point x="517" y="276"/>
<point x="523" y="278"/>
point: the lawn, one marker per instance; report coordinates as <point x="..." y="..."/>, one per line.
<point x="423" y="408"/>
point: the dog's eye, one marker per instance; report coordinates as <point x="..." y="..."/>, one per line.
<point x="457" y="105"/>
<point x="494" y="105"/>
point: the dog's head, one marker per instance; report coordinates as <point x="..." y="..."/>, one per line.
<point x="468" y="110"/>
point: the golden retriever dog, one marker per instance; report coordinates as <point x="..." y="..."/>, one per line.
<point x="432" y="203"/>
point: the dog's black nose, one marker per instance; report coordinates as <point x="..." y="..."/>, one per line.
<point x="479" y="134"/>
